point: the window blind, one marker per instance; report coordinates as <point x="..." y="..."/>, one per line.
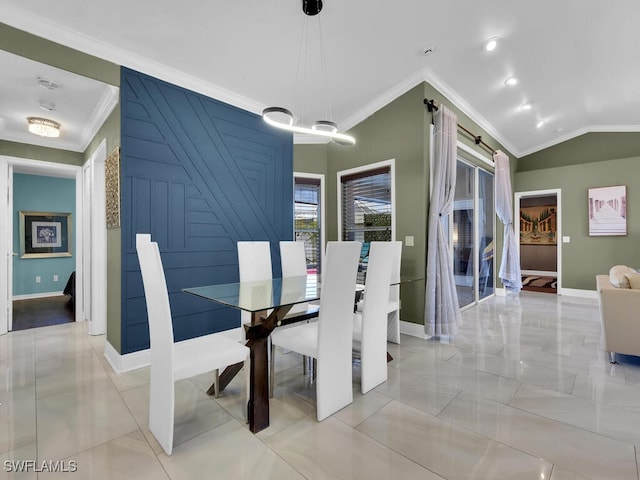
<point x="307" y="219"/>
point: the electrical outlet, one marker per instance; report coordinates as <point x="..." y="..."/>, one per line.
<point x="38" y="279"/>
<point x="55" y="278"/>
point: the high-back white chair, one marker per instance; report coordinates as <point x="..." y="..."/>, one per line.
<point x="370" y="326"/>
<point x="293" y="259"/>
<point x="254" y="264"/>
<point x="329" y="340"/>
<point x="393" y="306"/>
<point x="174" y="361"/>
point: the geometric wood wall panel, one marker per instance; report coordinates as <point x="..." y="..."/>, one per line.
<point x="198" y="175"/>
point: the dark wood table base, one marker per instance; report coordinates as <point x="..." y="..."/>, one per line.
<point x="257" y="334"/>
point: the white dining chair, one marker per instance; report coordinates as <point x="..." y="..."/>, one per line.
<point x="172" y="361"/>
<point x="254" y="264"/>
<point x="293" y="262"/>
<point x="329" y="340"/>
<point x="393" y="305"/>
<point x="370" y="326"/>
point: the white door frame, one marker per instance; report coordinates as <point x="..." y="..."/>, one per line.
<point x="516" y="215"/>
<point x="94" y="285"/>
<point x="8" y="166"/>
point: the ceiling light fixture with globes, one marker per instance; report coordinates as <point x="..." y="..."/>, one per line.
<point x="282" y="118"/>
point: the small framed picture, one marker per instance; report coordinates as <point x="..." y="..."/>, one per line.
<point x="45" y="234"/>
<point x="608" y="211"/>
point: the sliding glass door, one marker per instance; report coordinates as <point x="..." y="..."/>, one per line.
<point x="472" y="230"/>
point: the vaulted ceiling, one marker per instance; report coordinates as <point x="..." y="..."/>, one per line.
<point x="575" y="60"/>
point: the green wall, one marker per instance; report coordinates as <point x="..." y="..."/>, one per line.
<point x="400" y="130"/>
<point x="588" y="148"/>
<point x="585" y="257"/>
<point x="33" y="152"/>
<point x="310" y="159"/>
<point x="393" y="132"/>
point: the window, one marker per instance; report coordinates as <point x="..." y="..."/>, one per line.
<point x="308" y="215"/>
<point x="366" y="203"/>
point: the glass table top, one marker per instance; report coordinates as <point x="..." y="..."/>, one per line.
<point x="261" y="295"/>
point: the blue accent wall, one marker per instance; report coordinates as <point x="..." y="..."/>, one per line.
<point x="199" y="175"/>
<point x="37" y="193"/>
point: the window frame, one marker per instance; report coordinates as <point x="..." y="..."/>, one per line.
<point x="322" y="192"/>
<point x="363" y="169"/>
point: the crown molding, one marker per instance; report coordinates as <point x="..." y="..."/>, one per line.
<point x="41" y="27"/>
<point x="614" y="128"/>
<point x="469" y="111"/>
<point x="103" y="109"/>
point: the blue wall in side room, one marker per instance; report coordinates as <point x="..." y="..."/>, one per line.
<point x="199" y="175"/>
<point x="36" y="193"/>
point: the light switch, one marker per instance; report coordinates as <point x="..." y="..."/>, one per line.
<point x="566" y="239"/>
<point x="408" y="241"/>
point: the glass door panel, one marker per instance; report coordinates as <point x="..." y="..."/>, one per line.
<point x="462" y="236"/>
<point x="486" y="226"/>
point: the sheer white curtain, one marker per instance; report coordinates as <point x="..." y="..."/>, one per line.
<point x="442" y="313"/>
<point x="510" y="273"/>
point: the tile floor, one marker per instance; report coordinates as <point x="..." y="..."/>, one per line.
<point x="524" y="391"/>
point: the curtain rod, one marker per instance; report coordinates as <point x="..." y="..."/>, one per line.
<point x="432" y="107"/>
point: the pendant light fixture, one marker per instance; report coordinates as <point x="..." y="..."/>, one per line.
<point x="280" y="117"/>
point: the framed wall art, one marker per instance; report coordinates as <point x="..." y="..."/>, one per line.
<point x="45" y="234"/>
<point x="608" y="211"/>
<point x="538" y="225"/>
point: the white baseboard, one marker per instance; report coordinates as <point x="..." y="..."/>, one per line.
<point x="501" y="292"/>
<point x="574" y="292"/>
<point x="413" y="329"/>
<point x="126" y="363"/>
<point x="31" y="296"/>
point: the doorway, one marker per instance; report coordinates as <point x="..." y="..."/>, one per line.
<point x="43" y="261"/>
<point x="91" y="247"/>
<point x="540" y="244"/>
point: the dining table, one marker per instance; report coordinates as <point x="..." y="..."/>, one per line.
<point x="269" y="302"/>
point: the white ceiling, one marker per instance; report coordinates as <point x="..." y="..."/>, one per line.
<point x="81" y="105"/>
<point x="576" y="59"/>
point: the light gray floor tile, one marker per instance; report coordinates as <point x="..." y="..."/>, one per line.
<point x="330" y="449"/>
<point x="448" y="450"/>
<point x="569" y="447"/>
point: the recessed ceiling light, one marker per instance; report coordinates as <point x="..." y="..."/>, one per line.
<point x="490" y="45"/>
<point x="48" y="106"/>
<point x="48" y="84"/>
<point x="526" y="106"/>
<point x="540" y="124"/>
<point x="511" y="81"/>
